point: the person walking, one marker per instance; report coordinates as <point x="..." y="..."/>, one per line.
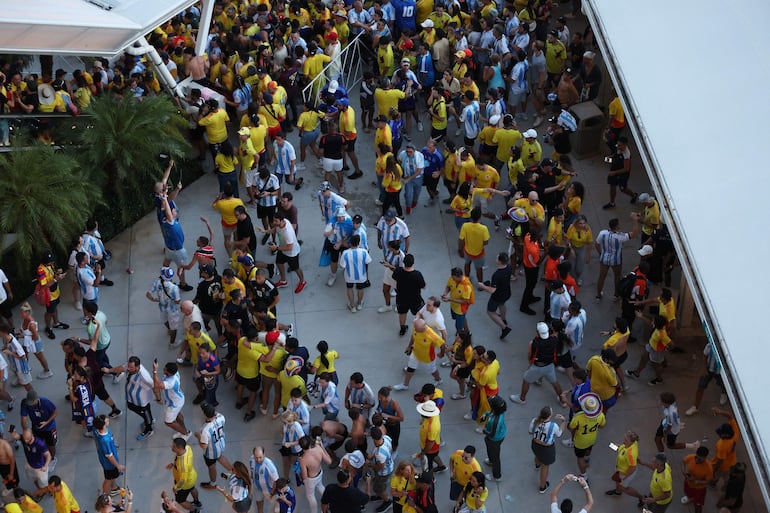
<point x="430" y="435"/>
<point x="425" y="347"/>
<point x="609" y="245"/>
<point x="287" y="250"/>
<point x="139" y="392"/>
<point x="409" y="284"/>
<point x="107" y="452"/>
<point x="171" y="388"/>
<point x="584" y="427"/>
<point x="542" y="357"/>
<point x="531" y="260"/>
<point x="185" y="476"/>
<point x="494" y="433"/>
<point x="166" y="293"/>
<point x="499" y="288"/>
<point x="544" y="429"/>
<point x="354" y="262"/>
<point x="211" y="439"/>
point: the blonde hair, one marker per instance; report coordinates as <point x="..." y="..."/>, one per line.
<point x="289" y="416"/>
<point x="25" y="307"/>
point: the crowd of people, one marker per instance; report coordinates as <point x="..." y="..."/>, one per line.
<point x="483" y="67"/>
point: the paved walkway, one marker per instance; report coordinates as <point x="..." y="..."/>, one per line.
<point x="368" y="342"/>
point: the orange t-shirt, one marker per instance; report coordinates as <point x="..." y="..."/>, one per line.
<point x="531" y="252"/>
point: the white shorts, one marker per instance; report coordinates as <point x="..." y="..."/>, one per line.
<point x="251" y="177"/>
<point x="173" y="319"/>
<point x="655" y="356"/>
<point x="39" y="476"/>
<point x="387" y="279"/>
<point x="331" y="164"/>
<point x="482" y="202"/>
<point x="414" y="363"/>
<point x="25" y="378"/>
<point x="172" y="413"/>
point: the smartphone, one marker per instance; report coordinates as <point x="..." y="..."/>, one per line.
<point x="613" y="446"/>
<point x="608" y="160"/>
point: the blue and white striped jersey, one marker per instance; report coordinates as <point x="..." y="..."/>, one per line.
<point x="139" y="387"/>
<point x="354" y="261"/>
<point x="213" y="435"/>
<point x="172" y="391"/>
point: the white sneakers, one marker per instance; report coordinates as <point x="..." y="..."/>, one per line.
<point x="692" y="410"/>
<point x="517" y="399"/>
<point x="385" y="308"/>
<point x="332" y="279"/>
<point x="400" y="387"/>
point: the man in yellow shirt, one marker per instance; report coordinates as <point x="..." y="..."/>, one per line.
<point x="193" y="340"/>
<point x="473" y="238"/>
<point x="214" y="119"/>
<point x="650" y="216"/>
<point x="225" y="204"/>
<point x="422" y="350"/>
<point x="314" y="65"/>
<point x="585" y="426"/>
<point x="459" y="294"/>
<point x="487" y="180"/>
<point x="247" y="371"/>
<point x="62" y="496"/>
<point x="271" y="362"/>
<point x="531" y="205"/>
<point x="462" y="464"/>
<point x="49" y="276"/>
<point x="430" y="435"/>
<point x="347" y="127"/>
<point x="387" y="97"/>
<point x="505" y="138"/>
<point x="185" y="476"/>
<point x="616" y="121"/>
<point x="661" y="484"/>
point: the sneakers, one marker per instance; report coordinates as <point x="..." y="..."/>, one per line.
<point x="115" y="413"/>
<point x="654" y="381"/>
<point x="270" y="270"/>
<point x="117" y="378"/>
<point x="419" y="126"/>
<point x="685" y="500"/>
<point x="385" y="506"/>
<point x="634" y="198"/>
<point x="692" y="410"/>
<point x="290" y="330"/>
<point x="249" y="416"/>
<point x="723" y="399"/>
<point x="110" y="283"/>
<point x="490" y="477"/>
<point x="439" y="469"/>
<point x="78" y="306"/>
<point x="228" y="373"/>
<point x="282" y="284"/>
<point x="632" y="374"/>
<point x="332" y="279"/>
<point x="438" y="382"/>
<point x="186" y="287"/>
<point x="11" y="403"/>
<point x="402" y="331"/>
<point x="392" y="292"/>
<point x="49" y="333"/>
<point x="516" y="398"/>
<point x="538" y="121"/>
<point x="88" y="434"/>
<point x="300" y="287"/>
<point x="399" y="387"/>
<point x="468" y="416"/>
<point x="144" y="436"/>
<point x="458" y="132"/>
<point x="457" y="397"/>
<point x="61" y="326"/>
<point x="479" y="430"/>
<point x="608" y="206"/>
<point x="360" y="306"/>
<point x="378" y="202"/>
<point x="544" y="488"/>
<point x="446" y="363"/>
<point x="505" y="332"/>
<point x="45" y="375"/>
<point x="352" y="308"/>
<point x="613" y="493"/>
<point x="693" y="445"/>
<point x="568" y="443"/>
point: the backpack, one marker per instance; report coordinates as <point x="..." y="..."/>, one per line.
<point x="628" y="282"/>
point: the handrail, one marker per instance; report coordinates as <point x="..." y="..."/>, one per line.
<point x="351" y="64"/>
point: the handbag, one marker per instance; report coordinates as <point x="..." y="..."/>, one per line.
<point x="325" y="260"/>
<point x="42" y="295"/>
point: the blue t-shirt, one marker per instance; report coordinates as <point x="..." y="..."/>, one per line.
<point x="286" y="508"/>
<point x="405" y="14"/>
<point x="105" y="446"/>
<point x="39" y="413"/>
<point x="173" y="236"/>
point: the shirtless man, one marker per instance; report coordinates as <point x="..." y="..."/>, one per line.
<point x="196" y="66"/>
<point x="358" y="429"/>
<point x="8" y="469"/>
<point x="312" y="472"/>
<point x="335" y="433"/>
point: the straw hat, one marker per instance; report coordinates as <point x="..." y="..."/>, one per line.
<point x="428" y="409"/>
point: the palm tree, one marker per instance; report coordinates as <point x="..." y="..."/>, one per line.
<point x="45" y="199"/>
<point x="124" y="146"/>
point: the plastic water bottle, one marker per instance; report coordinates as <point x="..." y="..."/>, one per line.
<point x="508" y="498"/>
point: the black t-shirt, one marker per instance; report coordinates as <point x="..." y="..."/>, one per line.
<point x="543" y="350"/>
<point x="343" y="499"/>
<point x="561" y="143"/>
<point x="332" y="145"/>
<point x="546" y="180"/>
<point x="245" y="229"/>
<point x="239" y="312"/>
<point x="501" y="280"/>
<point x="207" y="296"/>
<point x="409" y="285"/>
<point x="264" y="294"/>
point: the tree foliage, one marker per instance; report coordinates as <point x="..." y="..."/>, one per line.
<point x="45" y="200"/>
<point x="123" y="147"/>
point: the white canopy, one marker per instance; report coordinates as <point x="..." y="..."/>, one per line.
<point x="78" y="27"/>
<point x="694" y="89"/>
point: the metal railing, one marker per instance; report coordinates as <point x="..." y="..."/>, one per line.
<point x="352" y="60"/>
<point x="55" y="126"/>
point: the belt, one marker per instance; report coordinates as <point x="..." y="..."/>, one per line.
<point x="541" y="364"/>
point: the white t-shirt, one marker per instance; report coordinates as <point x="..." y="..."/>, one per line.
<point x="434" y="320"/>
<point x="3" y="281"/>
<point x="286" y="235"/>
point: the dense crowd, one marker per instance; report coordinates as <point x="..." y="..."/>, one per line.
<point x="482" y="67"/>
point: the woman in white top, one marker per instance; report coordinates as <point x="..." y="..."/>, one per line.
<point x="31" y="341"/>
<point x="544" y="431"/>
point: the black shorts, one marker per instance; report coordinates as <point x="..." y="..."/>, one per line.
<point x="545" y="454"/>
<point x="493" y="304"/>
<point x="367" y="103"/>
<point x="564" y="360"/>
<point x="620" y="361"/>
<point x="181" y="495"/>
<point x="358" y="286"/>
<point x="463" y="372"/>
<point x="11" y="481"/>
<point x="438" y="134"/>
<point x="266" y="212"/>
<point x="51" y="308"/>
<point x="251" y="384"/>
<point x="281" y="258"/>
<point x="242" y="506"/>
<point x="407" y="105"/>
<point x="350" y="146"/>
<point x="469" y="142"/>
<point x="336" y="445"/>
<point x="49" y="437"/>
<point x="670" y="437"/>
<point x="5" y="309"/>
<point x="620" y="180"/>
<point x="196" y="134"/>
<point x="111" y="474"/>
<point x="286" y="451"/>
<point x="413" y="307"/>
<point x="209" y="461"/>
<point x="334" y="254"/>
<point x="582" y="453"/>
<point x="102" y="393"/>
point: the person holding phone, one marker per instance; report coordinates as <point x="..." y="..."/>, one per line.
<point x="625" y="463"/>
